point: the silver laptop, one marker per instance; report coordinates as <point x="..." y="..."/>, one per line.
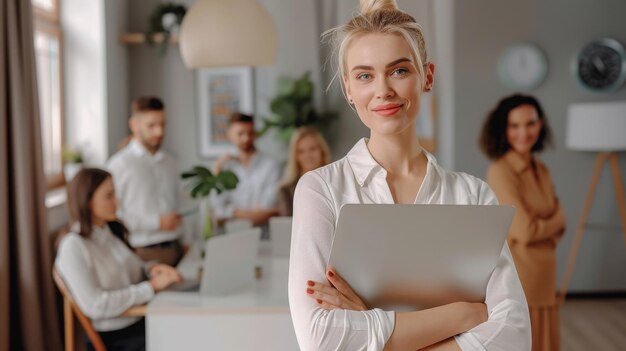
<point x="228" y="265"/>
<point x="419" y="256"/>
<point x="280" y="236"/>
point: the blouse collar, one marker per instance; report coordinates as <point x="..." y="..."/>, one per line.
<point x="363" y="164"/>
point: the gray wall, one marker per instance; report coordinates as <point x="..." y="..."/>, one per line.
<point x="484" y="28"/>
<point x="117" y="99"/>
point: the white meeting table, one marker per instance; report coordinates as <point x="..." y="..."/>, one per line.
<point x="253" y="319"/>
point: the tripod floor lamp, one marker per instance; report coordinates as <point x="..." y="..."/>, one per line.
<point x="601" y="128"/>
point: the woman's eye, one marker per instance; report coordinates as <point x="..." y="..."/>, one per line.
<point x="364" y="76"/>
<point x="399" y="72"/>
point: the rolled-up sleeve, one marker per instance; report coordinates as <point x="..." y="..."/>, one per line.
<point x="508" y="325"/>
<point x="312" y="233"/>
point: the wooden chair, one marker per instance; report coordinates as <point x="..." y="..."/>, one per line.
<point x="69" y="307"/>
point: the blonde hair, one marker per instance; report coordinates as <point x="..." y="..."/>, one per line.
<point x="294" y="171"/>
<point x="377" y="16"/>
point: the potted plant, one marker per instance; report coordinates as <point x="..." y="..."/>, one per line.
<point x="165" y="19"/>
<point x="202" y="182"/>
<point x="72" y="162"/>
<point x="293" y="108"/>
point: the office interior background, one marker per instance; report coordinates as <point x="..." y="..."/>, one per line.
<point x="101" y="73"/>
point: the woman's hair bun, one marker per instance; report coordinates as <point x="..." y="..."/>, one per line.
<point x="371" y="6"/>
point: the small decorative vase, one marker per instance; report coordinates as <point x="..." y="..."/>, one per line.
<point x="206" y="218"/>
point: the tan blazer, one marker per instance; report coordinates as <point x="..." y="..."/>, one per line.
<point x="537" y="226"/>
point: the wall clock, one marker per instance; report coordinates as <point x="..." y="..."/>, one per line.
<point x="522" y="66"/>
<point x="601" y="65"/>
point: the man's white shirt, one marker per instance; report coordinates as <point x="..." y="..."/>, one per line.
<point x="257" y="187"/>
<point x="147" y="186"/>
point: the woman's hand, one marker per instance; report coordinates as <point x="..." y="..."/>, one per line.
<point x="160" y="268"/>
<point x="337" y="295"/>
<point x="162" y="276"/>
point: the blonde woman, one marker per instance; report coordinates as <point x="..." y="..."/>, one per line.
<point x="384" y="69"/>
<point x="307" y="151"/>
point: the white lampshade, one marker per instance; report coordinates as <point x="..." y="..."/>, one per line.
<point x="596" y="126"/>
<point x="217" y="33"/>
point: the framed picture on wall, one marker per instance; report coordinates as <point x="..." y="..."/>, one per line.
<point x="221" y="91"/>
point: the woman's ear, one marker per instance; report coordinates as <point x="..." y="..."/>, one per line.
<point x="346" y="85"/>
<point x="430" y="76"/>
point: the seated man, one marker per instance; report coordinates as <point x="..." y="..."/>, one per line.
<point x="147" y="186"/>
<point x="255" y="197"/>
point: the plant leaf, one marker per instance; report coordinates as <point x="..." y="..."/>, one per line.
<point x="227" y="179"/>
<point x="202" y="171"/>
<point x="196" y="189"/>
<point x="188" y="174"/>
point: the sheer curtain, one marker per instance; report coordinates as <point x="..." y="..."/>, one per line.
<point x="28" y="318"/>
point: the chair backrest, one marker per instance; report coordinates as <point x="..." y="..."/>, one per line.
<point x="69" y="310"/>
<point x="237" y="225"/>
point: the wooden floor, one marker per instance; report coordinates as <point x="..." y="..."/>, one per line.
<point x="593" y="325"/>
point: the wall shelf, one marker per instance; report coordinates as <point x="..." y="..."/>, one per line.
<point x="140" y="38"/>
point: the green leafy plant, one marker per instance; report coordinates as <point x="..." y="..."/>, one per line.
<point x="164" y="18"/>
<point x="71" y="155"/>
<point x="202" y="181"/>
<point x="293" y="108"/>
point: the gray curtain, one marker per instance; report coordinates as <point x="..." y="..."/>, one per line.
<point x="28" y="315"/>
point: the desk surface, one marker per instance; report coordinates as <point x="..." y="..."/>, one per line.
<point x="256" y="318"/>
<point x="268" y="295"/>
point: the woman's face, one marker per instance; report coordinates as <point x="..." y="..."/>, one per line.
<point x="309" y="154"/>
<point x="103" y="204"/>
<point x="523" y="128"/>
<point x="382" y="81"/>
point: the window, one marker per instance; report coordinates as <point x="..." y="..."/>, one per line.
<point x="48" y="57"/>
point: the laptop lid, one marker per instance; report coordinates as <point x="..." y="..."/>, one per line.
<point x="229" y="262"/>
<point x="419" y="255"/>
<point x="280" y="235"/>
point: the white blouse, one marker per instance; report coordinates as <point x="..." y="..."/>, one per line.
<point x="104" y="276"/>
<point x="358" y="178"/>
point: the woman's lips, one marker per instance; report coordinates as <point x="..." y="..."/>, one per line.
<point x="388" y="109"/>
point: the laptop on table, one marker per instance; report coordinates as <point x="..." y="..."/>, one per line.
<point x="228" y="265"/>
